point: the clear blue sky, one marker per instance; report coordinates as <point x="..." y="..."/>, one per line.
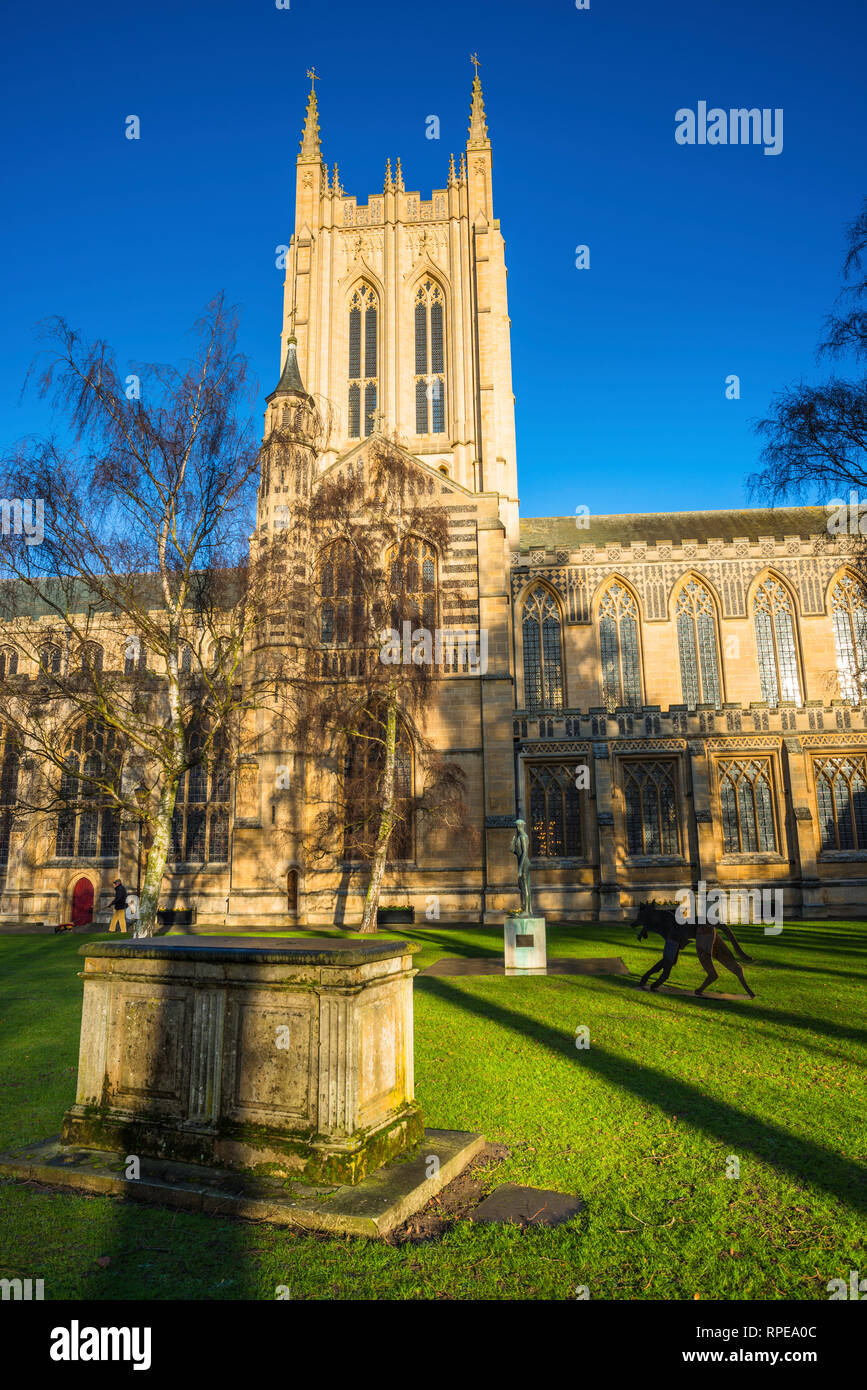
<point x="705" y="261"/>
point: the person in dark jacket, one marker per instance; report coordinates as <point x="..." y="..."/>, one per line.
<point x="118" y="916"/>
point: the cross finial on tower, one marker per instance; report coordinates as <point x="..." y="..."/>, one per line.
<point x="314" y="78"/>
<point x="474" y="59"/>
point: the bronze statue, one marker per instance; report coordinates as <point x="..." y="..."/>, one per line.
<point x="520" y="847"/>
<point x="708" y="945"/>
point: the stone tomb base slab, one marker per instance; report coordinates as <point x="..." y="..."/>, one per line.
<point x="289" y="1058"/>
<point x="492" y="965"/>
<point x="527" y="1206"/>
<point x="372" y="1207"/>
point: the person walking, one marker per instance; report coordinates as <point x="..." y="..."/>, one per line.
<point x="118" y="916"/>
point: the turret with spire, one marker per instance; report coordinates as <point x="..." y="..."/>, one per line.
<point x="289" y="449"/>
<point x="479" y="155"/>
<point x="311" y="146"/>
<point x="477" y="136"/>
<point x="311" y="180"/>
<point x="290" y="383"/>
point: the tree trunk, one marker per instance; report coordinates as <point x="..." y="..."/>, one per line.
<point x="156" y="862"/>
<point x="386" y="821"/>
<point x="159" y="850"/>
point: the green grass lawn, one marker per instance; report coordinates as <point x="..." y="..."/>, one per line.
<point x="641" y="1125"/>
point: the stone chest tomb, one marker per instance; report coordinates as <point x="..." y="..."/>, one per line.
<point x="293" y="1058"/>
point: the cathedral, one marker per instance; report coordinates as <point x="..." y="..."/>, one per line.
<point x="667" y="700"/>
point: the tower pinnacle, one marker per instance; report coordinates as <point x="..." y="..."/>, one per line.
<point x="478" y="131"/>
<point x="290" y="383"/>
<point x="310" y="144"/>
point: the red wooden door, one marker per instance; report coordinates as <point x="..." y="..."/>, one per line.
<point x="82" y="902"/>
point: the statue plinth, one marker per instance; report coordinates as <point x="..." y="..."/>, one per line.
<point x="524" y="944"/>
<point x="293" y="1057"/>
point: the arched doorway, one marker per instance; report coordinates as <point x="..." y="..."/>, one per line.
<point x="292" y="890"/>
<point x="82" y="903"/>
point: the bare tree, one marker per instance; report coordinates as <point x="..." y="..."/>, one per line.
<point x="816" y="435"/>
<point x="367" y="670"/>
<point x="128" y="615"/>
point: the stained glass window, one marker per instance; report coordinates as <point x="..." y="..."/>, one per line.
<point x="364" y="768"/>
<point x="554" y="811"/>
<point x="747" y="805"/>
<point x="200" y="824"/>
<point x="88" y="824"/>
<point x="354" y="411"/>
<point x="8" y="662"/>
<point x="340" y="586"/>
<point x="849" y="616"/>
<point x="135" y="656"/>
<point x="618" y="639"/>
<point x="414" y="579"/>
<point x="50" y="659"/>
<point x="430" y="381"/>
<point x="697" y="644"/>
<point x="650" y="796"/>
<point x="775" y="643"/>
<point x="363" y="354"/>
<point x="92" y="657"/>
<point x="543" y="658"/>
<point x="9" y="766"/>
<point x="841" y="796"/>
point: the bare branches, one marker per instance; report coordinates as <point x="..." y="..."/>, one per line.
<point x="815" y="436"/>
<point x="132" y="611"/>
<point x="373" y="544"/>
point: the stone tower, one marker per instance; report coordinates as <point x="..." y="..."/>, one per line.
<point x="398" y="307"/>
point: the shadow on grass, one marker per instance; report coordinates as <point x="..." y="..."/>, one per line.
<point x="471" y="950"/>
<point x="853" y="976"/>
<point x="748" y="1011"/>
<point x="800" y="1158"/>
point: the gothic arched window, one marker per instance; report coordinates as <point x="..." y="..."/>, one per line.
<point x="430" y="378"/>
<point x="92" y="656"/>
<point x="747" y="802"/>
<point x="650" y="794"/>
<point x="841" y="796"/>
<point x="340" y="587"/>
<point x="414" y="579"/>
<point x="554" y="811"/>
<point x="697" y="644"/>
<point x="618" y="641"/>
<point x="543" y="654"/>
<point x="364" y="768"/>
<point x="9" y="764"/>
<point x="849" y="616"/>
<point x="8" y="662"/>
<point x="50" y="657"/>
<point x="775" y="643"/>
<point x="200" y="824"/>
<point x="134" y="655"/>
<point x="88" y="824"/>
<point x="363" y="361"/>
